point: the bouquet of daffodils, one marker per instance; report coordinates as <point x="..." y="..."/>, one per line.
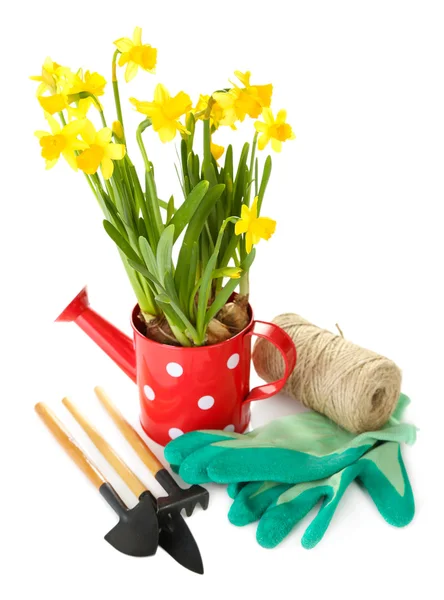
<point x="188" y="301"/>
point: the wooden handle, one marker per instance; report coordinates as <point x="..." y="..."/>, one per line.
<point x="130" y="434"/>
<point x="69" y="444"/>
<point x="121" y="468"/>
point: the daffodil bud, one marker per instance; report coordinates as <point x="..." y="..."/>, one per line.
<point x="217" y="151"/>
<point x="117" y="129"/>
<point x="232" y="272"/>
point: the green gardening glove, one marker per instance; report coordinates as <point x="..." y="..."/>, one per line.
<point x="279" y="507"/>
<point x="299" y="448"/>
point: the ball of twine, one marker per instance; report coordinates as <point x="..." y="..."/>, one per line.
<point x="354" y="387"/>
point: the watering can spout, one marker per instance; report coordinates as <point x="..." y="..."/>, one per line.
<point x="113" y="342"/>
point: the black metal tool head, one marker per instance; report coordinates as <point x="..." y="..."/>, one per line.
<point x="178" y="498"/>
<point x="176" y="539"/>
<point x="137" y="532"/>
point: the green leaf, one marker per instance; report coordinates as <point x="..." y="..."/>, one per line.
<point x="152" y="206"/>
<point x="115" y="217"/>
<point x="206" y="283"/>
<point x="192" y="234"/>
<point x="165" y="253"/>
<point x="229" y="194"/>
<point x="190" y="170"/>
<point x="264" y="182"/>
<point x="188" y="299"/>
<point x="141" y="201"/>
<point x="170" y="287"/>
<point x="228" y="165"/>
<point x="210" y="173"/>
<point x="148" y="256"/>
<point x="182" y="183"/>
<point x="230" y="249"/>
<point x="183" y="152"/>
<point x="142" y="228"/>
<point x="152" y="279"/>
<point x="170" y="209"/>
<point x="204" y="293"/>
<point x="200" y="217"/>
<point x="196" y="170"/>
<point x="239" y="182"/>
<point x="165" y="299"/>
<point x="191" y="126"/>
<point x="187" y="209"/>
<point x="120" y="241"/>
<point x="124" y="196"/>
<point x="222" y="297"/>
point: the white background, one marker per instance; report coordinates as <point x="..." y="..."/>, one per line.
<point x="358" y="198"/>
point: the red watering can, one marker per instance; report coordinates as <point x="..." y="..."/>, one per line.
<point x="184" y="389"/>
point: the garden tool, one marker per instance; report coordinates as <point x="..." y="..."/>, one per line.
<point x="174" y="535"/>
<point x="137" y="532"/>
<point x="177" y="498"/>
<point x="294" y="449"/>
<point x="279" y="507"/>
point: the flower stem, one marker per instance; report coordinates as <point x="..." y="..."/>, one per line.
<point x="244" y="286"/>
<point x="251" y="171"/>
<point x="116" y="91"/>
<point x="207" y="142"/>
<point x="150" y="183"/>
<point x="97" y="104"/>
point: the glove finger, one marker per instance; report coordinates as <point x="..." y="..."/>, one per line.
<point x="278" y="521"/>
<point x="333" y="491"/>
<point x="253" y="500"/>
<point x="179" y="449"/>
<point x="273" y="464"/>
<point x="317" y="528"/>
<point x="393" y="498"/>
<point x="195" y="468"/>
<point x="233" y="489"/>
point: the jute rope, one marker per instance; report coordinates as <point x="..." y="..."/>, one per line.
<point x="356" y="388"/>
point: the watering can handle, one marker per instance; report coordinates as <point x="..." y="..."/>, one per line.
<point x="283" y="342"/>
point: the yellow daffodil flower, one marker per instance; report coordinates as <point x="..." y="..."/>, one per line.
<point x="216" y="114"/>
<point x="77" y="84"/>
<point x="276" y="130"/>
<point x="135" y="55"/>
<point x="53" y="104"/>
<point x="61" y="141"/>
<point x="48" y="78"/>
<point x="101" y="151"/>
<point x="93" y="83"/>
<point x="261" y="93"/>
<point x="254" y="227"/>
<point x="165" y="112"/>
<point x="239" y="102"/>
<point x="217" y="151"/>
<point x="227" y="101"/>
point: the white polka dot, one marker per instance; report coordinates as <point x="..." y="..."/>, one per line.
<point x="149" y="392"/>
<point x="233" y="361"/>
<point x="205" y="402"/>
<point x="229" y="428"/>
<point x="174" y="433"/>
<point x="174" y="369"/>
